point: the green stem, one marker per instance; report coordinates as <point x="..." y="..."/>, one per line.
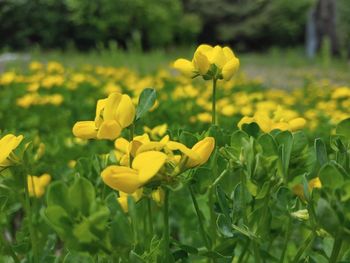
<point x="9" y="249"/>
<point x="212" y="216"/>
<point x="244" y="250"/>
<point x="131" y="132"/>
<point x="304" y="247"/>
<point x="131" y="137"/>
<point x="199" y="217"/>
<point x="166" y="234"/>
<point x="244" y="207"/>
<point x="336" y="249"/>
<point x="213" y="113"/>
<point x="32" y="234"/>
<point x="218" y="179"/>
<point x="256" y="252"/>
<point x="150" y="218"/>
<point x="286" y="239"/>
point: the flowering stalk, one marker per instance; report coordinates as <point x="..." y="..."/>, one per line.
<point x="166" y="234"/>
<point x="32" y="234"/>
<point x="201" y="226"/>
<point x="213" y="112"/>
<point x="336" y="248"/>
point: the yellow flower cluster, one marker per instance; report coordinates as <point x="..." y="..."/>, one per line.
<point x="112" y="115"/>
<point x="280" y="121"/>
<point x="210" y="62"/>
<point x="143" y="160"/>
<point x="36" y="99"/>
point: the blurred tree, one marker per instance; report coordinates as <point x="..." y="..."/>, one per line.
<point x="343" y="26"/>
<point x="252" y="24"/>
<point x="325" y="17"/>
<point x="58" y="23"/>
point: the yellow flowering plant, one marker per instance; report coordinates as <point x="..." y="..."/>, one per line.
<point x="160" y="184"/>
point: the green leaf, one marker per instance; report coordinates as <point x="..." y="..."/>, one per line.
<point x="330" y="177"/>
<point x="82" y="195"/>
<point x="285" y="142"/>
<point x="222" y="200"/>
<point x="188" y="139"/>
<point x="223" y="224"/>
<point x="74" y="257"/>
<point x="59" y="220"/>
<point x="327" y="217"/>
<point x="263" y="191"/>
<point x="343" y="128"/>
<point x="252" y="129"/>
<point x="146" y="101"/>
<point x="268" y="144"/>
<point x="321" y="151"/>
<point x="57" y="195"/>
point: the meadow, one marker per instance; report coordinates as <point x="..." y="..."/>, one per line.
<point x="128" y="157"/>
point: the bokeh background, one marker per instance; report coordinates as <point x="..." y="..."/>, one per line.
<point x="268" y="35"/>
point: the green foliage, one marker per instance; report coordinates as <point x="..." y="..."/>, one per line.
<point x="87" y="24"/>
<point x="146" y="101"/>
<point x="253" y="23"/>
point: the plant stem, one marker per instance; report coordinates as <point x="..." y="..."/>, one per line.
<point x="256" y="252"/>
<point x="166" y="234"/>
<point x="244" y="250"/>
<point x="30" y="221"/>
<point x="336" y="249"/>
<point x="244" y="207"/>
<point x="150" y="218"/>
<point x="131" y="137"/>
<point x="286" y="239"/>
<point x="131" y="132"/>
<point x="213" y="113"/>
<point x="200" y="221"/>
<point x="217" y="180"/>
<point x="304" y="247"/>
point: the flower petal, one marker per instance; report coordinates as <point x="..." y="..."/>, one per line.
<point x="148" y="164"/>
<point x="109" y="130"/>
<point x="121" y="178"/>
<point x="7" y="144"/>
<point x="125" y="113"/>
<point x="185" y="67"/>
<point x="85" y="130"/>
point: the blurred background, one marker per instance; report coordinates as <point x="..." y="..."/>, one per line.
<point x="262" y="32"/>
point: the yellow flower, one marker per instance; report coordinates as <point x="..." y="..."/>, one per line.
<point x="112" y="115"/>
<point x="123" y="198"/>
<point x="210" y="62"/>
<point x="37" y="185"/>
<point x="124" y="148"/>
<point x="7" y="144"/>
<point x="158" y="195"/>
<point x="198" y="154"/>
<point x="144" y="167"/>
<point x="313" y="183"/>
<point x="157" y="131"/>
<point x="185" y="67"/>
<point x="297" y="124"/>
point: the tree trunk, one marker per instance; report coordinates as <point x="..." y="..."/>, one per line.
<point x="325" y="15"/>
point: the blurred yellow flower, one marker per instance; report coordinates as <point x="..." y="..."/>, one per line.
<point x="38" y="184"/>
